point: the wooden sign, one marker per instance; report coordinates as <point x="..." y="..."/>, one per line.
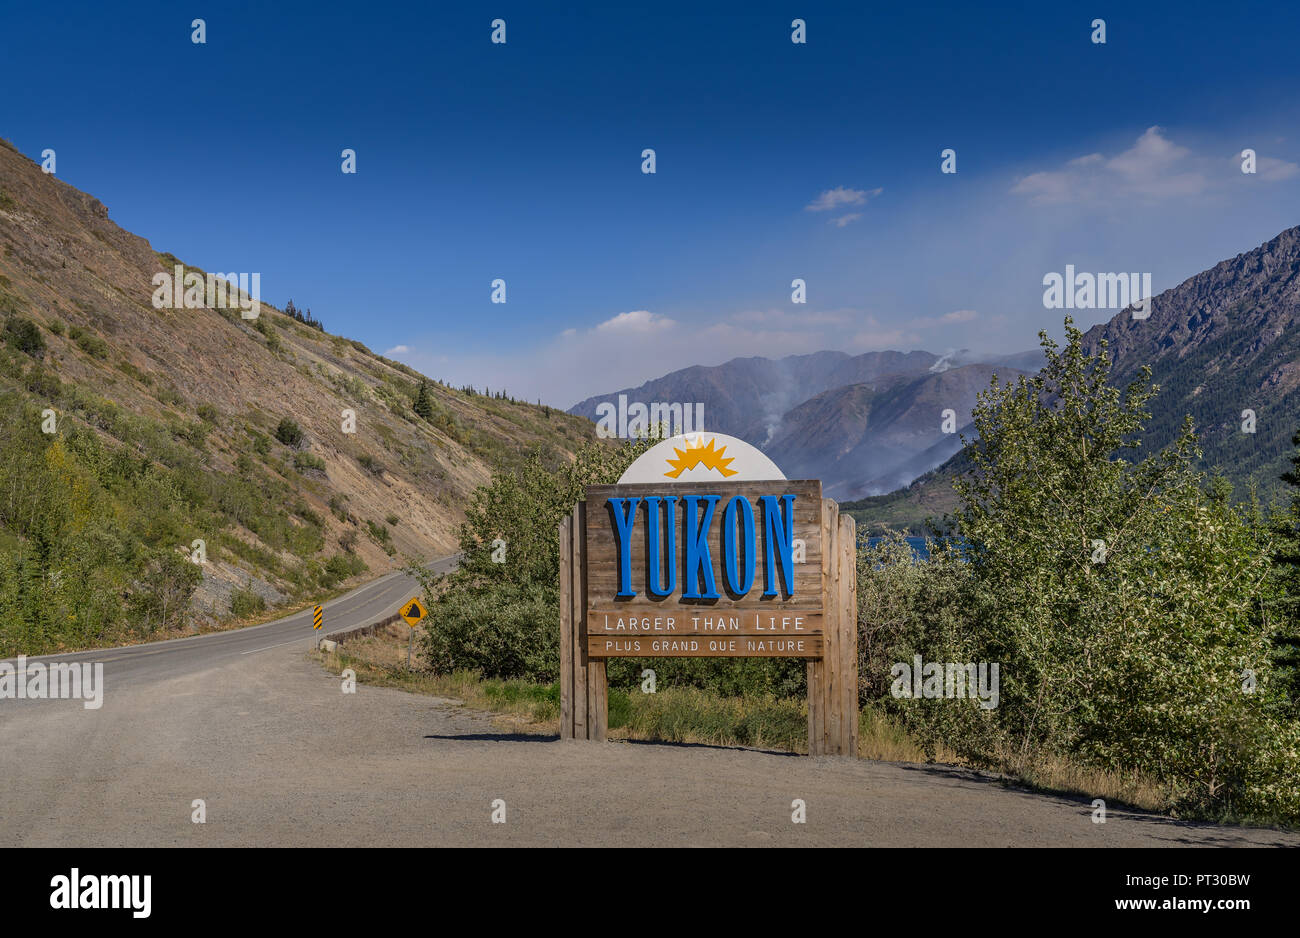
<point x="698" y="559"/>
<point x="702" y="646"/>
<point x="726" y="567"/>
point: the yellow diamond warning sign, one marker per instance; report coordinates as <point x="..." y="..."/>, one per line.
<point x="413" y="611"/>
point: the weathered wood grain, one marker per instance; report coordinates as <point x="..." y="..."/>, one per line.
<point x="704" y="646"/>
<point x="566" y="628"/>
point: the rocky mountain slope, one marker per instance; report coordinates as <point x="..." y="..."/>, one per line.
<point x="863" y="424"/>
<point x="1221" y="344"/>
<point x="173" y="426"/>
<point x="864" y="439"/>
<point x="747" y="397"/>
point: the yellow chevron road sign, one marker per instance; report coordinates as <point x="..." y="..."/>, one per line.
<point x="317" y="617"/>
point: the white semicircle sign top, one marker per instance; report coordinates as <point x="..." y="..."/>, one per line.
<point x="701" y="457"/>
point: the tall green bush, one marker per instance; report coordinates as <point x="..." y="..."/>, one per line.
<point x="1123" y="604"/>
<point x="506" y="585"/>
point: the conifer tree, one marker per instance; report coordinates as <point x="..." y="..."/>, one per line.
<point x="423" y="405"/>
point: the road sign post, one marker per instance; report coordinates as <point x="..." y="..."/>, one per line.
<point x="412" y="612"/>
<point x="317" y="620"/>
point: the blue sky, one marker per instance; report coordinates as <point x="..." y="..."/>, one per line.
<point x="523" y="161"/>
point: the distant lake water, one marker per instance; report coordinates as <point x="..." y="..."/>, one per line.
<point x="917" y="544"/>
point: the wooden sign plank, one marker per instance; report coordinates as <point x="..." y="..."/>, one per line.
<point x="667" y="623"/>
<point x="604" y="564"/>
<point x="704" y="646"/>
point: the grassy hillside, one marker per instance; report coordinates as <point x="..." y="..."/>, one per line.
<point x="907" y="510"/>
<point x="180" y="425"/>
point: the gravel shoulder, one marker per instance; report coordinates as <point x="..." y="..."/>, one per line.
<point x="281" y="756"/>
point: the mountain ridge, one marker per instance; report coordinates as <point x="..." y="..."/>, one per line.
<point x="861" y="423"/>
<point x="1222" y="345"/>
<point x="188" y="404"/>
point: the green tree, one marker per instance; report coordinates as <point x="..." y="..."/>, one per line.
<point x="1286" y="566"/>
<point x="423" y="405"/>
<point x="498" y="612"/>
<point x="161" y="596"/>
<point x="289" y="433"/>
<point x="1121" y="602"/>
<point x="25" y="336"/>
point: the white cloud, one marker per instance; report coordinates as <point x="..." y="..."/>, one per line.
<point x="959" y="315"/>
<point x="1153" y="168"/>
<point x="398" y="350"/>
<point x="834" y="198"/>
<point x="1270" y="169"/>
<point x="847" y="219"/>
<point x="637" y="321"/>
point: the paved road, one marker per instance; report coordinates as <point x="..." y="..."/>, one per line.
<point x="137" y="665"/>
<point x="247" y="723"/>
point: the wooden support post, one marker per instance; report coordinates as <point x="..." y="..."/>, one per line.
<point x="566" y="628"/>
<point x="847" y="549"/>
<point x="579" y="632"/>
<point x="833" y="679"/>
<point x="584" y="696"/>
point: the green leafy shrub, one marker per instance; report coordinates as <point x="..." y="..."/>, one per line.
<point x="245" y="603"/>
<point x="380" y="535"/>
<point x="304" y="462"/>
<point x="1120" y="599"/>
<point x="24" y="336"/>
<point x="88" y="342"/>
<point x="169" y="396"/>
<point x="265" y="326"/>
<point x="498" y="633"/>
<point x="289" y="433"/>
<point x="131" y="371"/>
<point x="195" y="434"/>
<point x="340" y="567"/>
<point x="520" y="598"/>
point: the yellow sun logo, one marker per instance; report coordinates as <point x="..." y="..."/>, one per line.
<point x="699" y="455"/>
